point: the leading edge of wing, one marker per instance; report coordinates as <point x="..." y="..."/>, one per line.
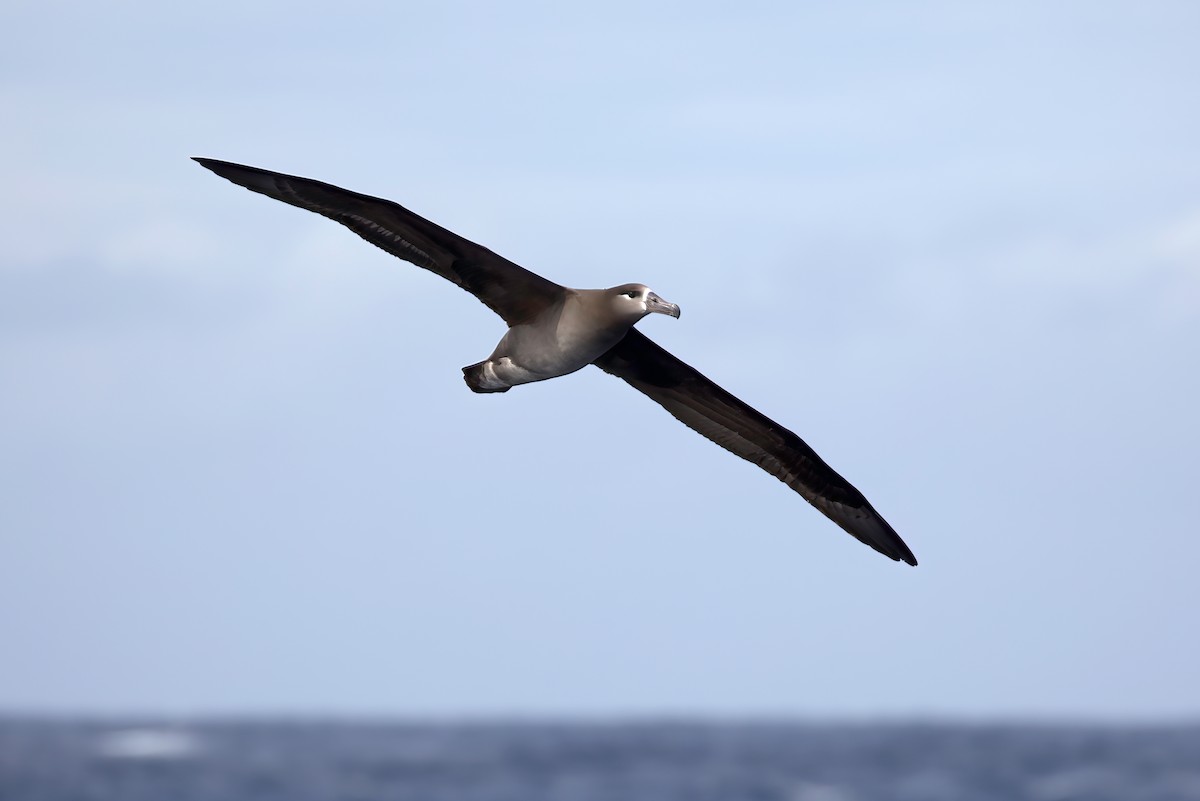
<point x="729" y="422"/>
<point x="516" y="294"/>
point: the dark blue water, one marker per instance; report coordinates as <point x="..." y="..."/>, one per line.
<point x="44" y="760"/>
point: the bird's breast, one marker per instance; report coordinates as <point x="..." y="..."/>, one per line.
<point x="556" y="345"/>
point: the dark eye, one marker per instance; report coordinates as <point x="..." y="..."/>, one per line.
<point x="631" y="294"/>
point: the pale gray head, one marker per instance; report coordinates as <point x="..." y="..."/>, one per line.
<point x="636" y="301"/>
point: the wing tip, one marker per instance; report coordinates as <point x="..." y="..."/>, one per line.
<point x="879" y="535"/>
<point x="225" y="169"/>
<point x="895" y="548"/>
<point x="256" y="179"/>
<point x="897" y="552"/>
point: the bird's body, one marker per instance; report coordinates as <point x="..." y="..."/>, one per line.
<point x="567" y="336"/>
<point x="555" y="330"/>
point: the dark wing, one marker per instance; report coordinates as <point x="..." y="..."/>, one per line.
<point x="704" y="407"/>
<point x="511" y="291"/>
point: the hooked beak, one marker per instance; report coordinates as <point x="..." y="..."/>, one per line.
<point x="656" y="304"/>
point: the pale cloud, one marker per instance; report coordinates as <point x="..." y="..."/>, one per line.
<point x="1178" y="249"/>
<point x="1180" y="241"/>
<point x="1151" y="270"/>
<point x="47" y="217"/>
<point x="162" y="246"/>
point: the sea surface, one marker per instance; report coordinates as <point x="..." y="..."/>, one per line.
<point x="59" y="760"/>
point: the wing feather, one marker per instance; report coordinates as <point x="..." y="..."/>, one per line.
<point x="706" y="408"/>
<point x="514" y="293"/>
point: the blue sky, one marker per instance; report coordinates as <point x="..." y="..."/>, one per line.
<point x="954" y="246"/>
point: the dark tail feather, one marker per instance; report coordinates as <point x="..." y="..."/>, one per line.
<point x="473" y="375"/>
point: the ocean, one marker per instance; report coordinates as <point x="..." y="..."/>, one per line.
<point x="60" y="760"/>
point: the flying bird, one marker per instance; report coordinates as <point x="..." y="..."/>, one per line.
<point x="554" y="330"/>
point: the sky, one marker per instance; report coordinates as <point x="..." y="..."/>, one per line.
<point x="955" y="246"/>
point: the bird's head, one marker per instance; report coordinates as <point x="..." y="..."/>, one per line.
<point x="635" y="301"/>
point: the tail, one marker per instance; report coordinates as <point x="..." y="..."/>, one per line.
<point x="478" y="380"/>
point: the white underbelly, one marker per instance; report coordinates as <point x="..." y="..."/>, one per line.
<point x="523" y="357"/>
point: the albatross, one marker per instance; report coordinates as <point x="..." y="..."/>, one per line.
<point x="554" y="330"/>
